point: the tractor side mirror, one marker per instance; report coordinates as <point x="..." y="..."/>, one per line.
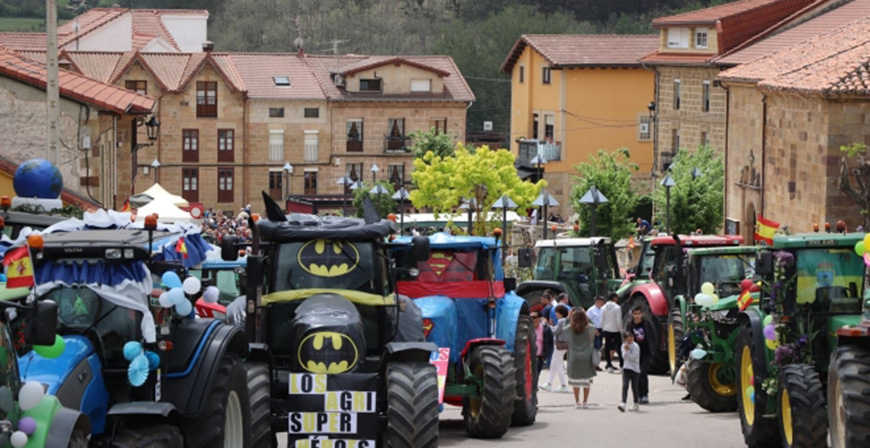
<point x="419" y="249"/>
<point x="764" y="264"/>
<point x="524" y="257"/>
<point x="44" y="328"/>
<point x="510" y="284"/>
<point x="229" y="248"/>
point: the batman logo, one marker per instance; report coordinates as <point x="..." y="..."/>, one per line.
<point x="327" y="352"/>
<point x="327" y="258"/>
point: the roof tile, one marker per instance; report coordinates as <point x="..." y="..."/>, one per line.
<point x="710" y="15"/>
<point x="585" y="49"/>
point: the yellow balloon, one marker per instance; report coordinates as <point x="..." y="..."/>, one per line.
<point x="715" y="299"/>
<point x="867" y="241"/>
<point x="771" y="344"/>
<point x="708" y="288"/>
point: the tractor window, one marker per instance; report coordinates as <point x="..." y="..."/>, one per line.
<point x="575" y="261"/>
<point x="725" y="271"/>
<point x="546" y="267"/>
<point x="326" y="264"/>
<point x="665" y="263"/>
<point x="449" y="266"/>
<point x="647" y="263"/>
<point x="829" y="279"/>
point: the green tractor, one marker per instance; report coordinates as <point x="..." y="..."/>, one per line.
<point x="813" y="287"/>
<point x="711" y="378"/>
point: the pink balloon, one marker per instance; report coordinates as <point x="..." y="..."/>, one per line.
<point x="867" y="258"/>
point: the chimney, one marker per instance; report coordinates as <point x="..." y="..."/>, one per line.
<point x="208" y="46"/>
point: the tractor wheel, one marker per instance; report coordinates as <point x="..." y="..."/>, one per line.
<point x="412" y="405"/>
<point x="226" y="418"/>
<point x="259" y="387"/>
<point x="78" y="439"/>
<point x="712" y="385"/>
<point x="758" y="432"/>
<point x="803" y="422"/>
<point x="675" y="337"/>
<point x="659" y="363"/>
<point x="849" y="397"/>
<point x="488" y="415"/>
<point x="148" y="436"/>
<point x="525" y="363"/>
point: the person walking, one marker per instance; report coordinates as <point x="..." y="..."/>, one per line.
<point x="645" y="336"/>
<point x="611" y="325"/>
<point x="631" y="371"/>
<point x="594" y="314"/>
<point x="581" y="338"/>
<point x="557" y="366"/>
<point x="543" y="340"/>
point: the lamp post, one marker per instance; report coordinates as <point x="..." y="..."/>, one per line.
<point x="288" y="170"/>
<point x="504" y="203"/>
<point x="152" y="128"/>
<point x="668" y="182"/>
<point x="593" y="197"/>
<point x="470" y="205"/>
<point x="374" y="169"/>
<point x="696" y="173"/>
<point x="378" y="190"/>
<point x="545" y="200"/>
<point x="156" y="166"/>
<point x="401" y="195"/>
<point x="345" y="182"/>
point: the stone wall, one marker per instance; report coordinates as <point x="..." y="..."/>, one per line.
<point x="848" y="122"/>
<point x="744" y="154"/>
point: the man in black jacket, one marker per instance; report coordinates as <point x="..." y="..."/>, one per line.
<point x="646" y="336"/>
<point x="543" y="340"/>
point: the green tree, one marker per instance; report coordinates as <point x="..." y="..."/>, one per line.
<point x="859" y="191"/>
<point x="484" y="175"/>
<point x="384" y="203"/>
<point x="696" y="202"/>
<point x="424" y="141"/>
<point x="610" y="173"/>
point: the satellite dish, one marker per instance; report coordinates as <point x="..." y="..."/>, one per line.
<point x="298" y="43"/>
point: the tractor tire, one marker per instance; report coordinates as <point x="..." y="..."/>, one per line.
<point x="148" y="436"/>
<point x="675" y="336"/>
<point x="489" y="415"/>
<point x="526" y="365"/>
<point x="412" y="405"/>
<point x="78" y="439"/>
<point x="225" y="421"/>
<point x="758" y="432"/>
<point x="849" y="397"/>
<point x="803" y="422"/>
<point x="704" y="382"/>
<point x="259" y="391"/>
<point x="659" y="364"/>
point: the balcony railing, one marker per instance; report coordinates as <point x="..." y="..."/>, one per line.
<point x="396" y="144"/>
<point x="551" y="152"/>
<point x="354" y="146"/>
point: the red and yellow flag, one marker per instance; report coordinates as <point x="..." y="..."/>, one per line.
<point x="744" y="300"/>
<point x="765" y="229"/>
<point x="631" y="243"/>
<point x="126" y="207"/>
<point x="19" y="269"/>
<point x="181" y="247"/>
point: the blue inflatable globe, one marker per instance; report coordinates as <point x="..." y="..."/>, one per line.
<point x="38" y="178"/>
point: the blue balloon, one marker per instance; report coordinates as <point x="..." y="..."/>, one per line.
<point x="176" y="296"/>
<point x="2" y="278"/>
<point x="171" y="280"/>
<point x="137" y="373"/>
<point x="132" y="349"/>
<point x="153" y="360"/>
<point x="184" y="308"/>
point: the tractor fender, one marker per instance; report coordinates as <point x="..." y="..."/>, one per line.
<point x="187" y="389"/>
<point x="160" y="408"/>
<point x="680" y="304"/>
<point x="756" y="321"/>
<point x="478" y="342"/>
<point x="63" y="424"/>
<point x="537" y="285"/>
<point x="507" y="314"/>
<point x="654" y="296"/>
<point x="406" y="352"/>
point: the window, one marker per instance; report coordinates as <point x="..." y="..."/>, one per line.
<point x="312" y="112"/>
<point x="225" y="185"/>
<point x="276" y="185"/>
<point x="535" y="126"/>
<point x="677" y="94"/>
<point x="190" y="184"/>
<point x="369" y="85"/>
<point x="355" y="135"/>
<point x="190" y="145"/>
<point x="276" y="112"/>
<point x="678" y="38"/>
<point x="311" y="146"/>
<point x="354" y="172"/>
<point x="206" y="99"/>
<point x="705" y="139"/>
<point x="675" y="141"/>
<point x="421" y="85"/>
<point x="545" y="76"/>
<point x="701" y="38"/>
<point x="226" y="145"/>
<point x="439" y="125"/>
<point x="276" y="146"/>
<point x="644" y="128"/>
<point x="522" y="74"/>
<point x="705" y="96"/>
<point x="396" y="136"/>
<point x="281" y="81"/>
<point x="140" y="87"/>
<point x="311" y="182"/>
<point x="396" y="174"/>
<point x="549" y="127"/>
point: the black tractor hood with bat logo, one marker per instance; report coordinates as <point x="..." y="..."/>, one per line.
<point x="328" y="334"/>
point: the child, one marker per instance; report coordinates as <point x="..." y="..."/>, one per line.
<point x="630" y="370"/>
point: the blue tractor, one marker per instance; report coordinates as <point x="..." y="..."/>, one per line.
<point x="469" y="307"/>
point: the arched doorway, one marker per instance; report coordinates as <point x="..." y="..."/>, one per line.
<point x="749" y="220"/>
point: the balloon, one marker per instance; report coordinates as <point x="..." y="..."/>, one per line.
<point x="171" y="280"/>
<point x="770" y="332"/>
<point x="176" y="296"/>
<point x="51" y="351"/>
<point x="137" y="373"/>
<point x="164" y="300"/>
<point x="211" y="294"/>
<point x="132" y="349"/>
<point x="699" y="353"/>
<point x="708" y="288"/>
<point x="30" y="395"/>
<point x="771" y="344"/>
<point x="715" y="299"/>
<point x="768" y="320"/>
<point x="752" y="380"/>
<point x="153" y="360"/>
<point x="191" y="285"/>
<point x="184" y="308"/>
<point x="27" y="425"/>
<point x="867" y="240"/>
<point x="860" y="248"/>
<point x="750" y="391"/>
<point x="746" y="284"/>
<point x="704" y="300"/>
<point x="867" y="258"/>
<point x="755" y="288"/>
<point x="18" y="439"/>
<point x="752" y="398"/>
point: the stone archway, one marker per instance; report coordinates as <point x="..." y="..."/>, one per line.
<point x="749" y="220"/>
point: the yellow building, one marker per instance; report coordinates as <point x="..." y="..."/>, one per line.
<point x="572" y="95"/>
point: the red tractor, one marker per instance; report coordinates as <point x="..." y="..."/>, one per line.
<point x="667" y="279"/>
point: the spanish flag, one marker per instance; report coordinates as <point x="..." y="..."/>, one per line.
<point x="631" y="243"/>
<point x="765" y="229"/>
<point x="181" y="248"/>
<point x="744" y="300"/>
<point x="126" y="207"/>
<point x="19" y="269"/>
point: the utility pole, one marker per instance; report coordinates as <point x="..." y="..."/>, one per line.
<point x="52" y="89"/>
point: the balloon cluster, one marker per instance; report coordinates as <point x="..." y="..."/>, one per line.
<point x="141" y="362"/>
<point x="29" y="397"/>
<point x="707" y="297"/>
<point x="177" y="289"/>
<point x="861" y="248"/>
<point x="770" y="333"/>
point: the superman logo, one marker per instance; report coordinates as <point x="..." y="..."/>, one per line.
<point x="327" y="258"/>
<point x="439" y="261"/>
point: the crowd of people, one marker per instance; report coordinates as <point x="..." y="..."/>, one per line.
<point x="578" y="336"/>
<point x="217" y="224"/>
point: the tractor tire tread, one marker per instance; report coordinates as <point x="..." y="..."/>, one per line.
<point x="807" y="399"/>
<point x="698" y="383"/>
<point x="148" y="436"/>
<point x="676" y="320"/>
<point x="850" y="366"/>
<point x="763" y="433"/>
<point x="499" y="387"/>
<point x="525" y="410"/>
<point x="412" y="405"/>
<point x="207" y="429"/>
<point x="259" y="390"/>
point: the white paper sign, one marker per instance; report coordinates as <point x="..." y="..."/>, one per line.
<point x="322" y="423"/>
<point x="307" y="383"/>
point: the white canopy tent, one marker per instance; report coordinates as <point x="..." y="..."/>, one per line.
<point x="166" y="211"/>
<point x="157" y="192"/>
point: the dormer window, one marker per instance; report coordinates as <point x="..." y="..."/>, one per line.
<point x="678" y="37"/>
<point x="369" y="85"/>
<point x="421" y="85"/>
<point x="701" y="38"/>
<point x="281" y="81"/>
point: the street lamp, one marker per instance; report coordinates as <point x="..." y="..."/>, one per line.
<point x="470" y="205"/>
<point x="156" y="166"/>
<point x="288" y="170"/>
<point x="152" y="129"/>
<point x="593" y="197"/>
<point x="668" y="182"/>
<point x="345" y="182"/>
<point x="400" y="196"/>
<point x="504" y="203"/>
<point x="378" y="190"/>
<point x="545" y="200"/>
<point x="696" y="173"/>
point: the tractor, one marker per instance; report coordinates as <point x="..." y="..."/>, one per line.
<point x="813" y="286"/>
<point x="227" y="277"/>
<point x="581" y="267"/>
<point x="711" y="378"/>
<point x="667" y="279"/>
<point x="348" y="360"/>
<point x="143" y="374"/>
<point x="472" y="310"/>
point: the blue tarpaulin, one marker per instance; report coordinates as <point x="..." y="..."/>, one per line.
<point x="109" y="273"/>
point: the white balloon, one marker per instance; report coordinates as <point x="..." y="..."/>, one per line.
<point x="211" y="294"/>
<point x="18" y="439"/>
<point x="164" y="300"/>
<point x="30" y="395"/>
<point x="699" y="353"/>
<point x="704" y="299"/>
<point x="191" y="285"/>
